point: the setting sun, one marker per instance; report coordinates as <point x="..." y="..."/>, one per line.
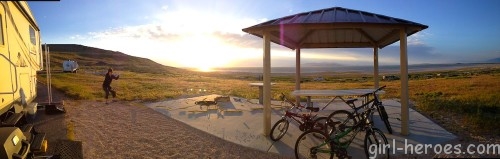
<point x="204" y="69"/>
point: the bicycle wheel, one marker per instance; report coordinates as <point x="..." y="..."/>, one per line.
<point x="376" y="145"/>
<point x="338" y="118"/>
<point x="384" y="117"/>
<point x="308" y="145"/>
<point x="321" y="124"/>
<point x="279" y="129"/>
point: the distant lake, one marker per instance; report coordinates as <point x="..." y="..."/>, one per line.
<point x="356" y="69"/>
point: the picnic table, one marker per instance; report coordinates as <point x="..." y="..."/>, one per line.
<point x="334" y="94"/>
<point x="261" y="91"/>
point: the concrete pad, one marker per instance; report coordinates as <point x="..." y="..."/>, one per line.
<point x="241" y="121"/>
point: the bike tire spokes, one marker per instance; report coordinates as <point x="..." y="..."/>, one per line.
<point x="376" y="144"/>
<point x="312" y="144"/>
<point x="279" y="129"/>
<point x="340" y="120"/>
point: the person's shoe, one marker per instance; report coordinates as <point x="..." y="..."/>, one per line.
<point x="114" y="100"/>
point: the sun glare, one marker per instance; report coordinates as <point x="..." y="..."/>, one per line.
<point x="201" y="52"/>
<point x="205" y="69"/>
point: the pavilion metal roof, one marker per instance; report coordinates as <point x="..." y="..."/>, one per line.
<point x="335" y="27"/>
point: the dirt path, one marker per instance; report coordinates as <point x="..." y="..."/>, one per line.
<point x="130" y="130"/>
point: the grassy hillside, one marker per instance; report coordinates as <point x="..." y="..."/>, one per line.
<point x="91" y="59"/>
<point x="467" y="101"/>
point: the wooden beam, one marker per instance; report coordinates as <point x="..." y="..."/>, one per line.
<point x="405" y="112"/>
<point x="277" y="37"/>
<point x="301" y="41"/>
<point x="387" y="37"/>
<point x="338" y="45"/>
<point x="362" y="32"/>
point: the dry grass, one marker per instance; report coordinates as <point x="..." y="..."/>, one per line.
<point x="469" y="106"/>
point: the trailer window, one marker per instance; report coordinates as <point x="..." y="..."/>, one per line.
<point x="32" y="36"/>
<point x="1" y="30"/>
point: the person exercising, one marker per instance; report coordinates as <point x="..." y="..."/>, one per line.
<point x="106" y="85"/>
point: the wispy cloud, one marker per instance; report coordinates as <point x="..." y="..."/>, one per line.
<point x="148" y="31"/>
<point x="77" y="37"/>
<point x="419" y="38"/>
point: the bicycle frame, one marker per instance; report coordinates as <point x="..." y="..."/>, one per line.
<point x="375" y="102"/>
<point x="294" y="116"/>
<point x="364" y="123"/>
<point x="288" y="114"/>
<point x="335" y="139"/>
<point x="305" y="120"/>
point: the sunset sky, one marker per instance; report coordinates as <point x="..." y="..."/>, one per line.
<point x="207" y="33"/>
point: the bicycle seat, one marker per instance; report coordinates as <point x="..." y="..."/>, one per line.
<point x="351" y="101"/>
<point x="313" y="109"/>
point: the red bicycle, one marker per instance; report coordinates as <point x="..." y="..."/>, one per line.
<point x="306" y="120"/>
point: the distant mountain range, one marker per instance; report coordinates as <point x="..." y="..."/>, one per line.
<point x="496" y="60"/>
<point x="332" y="64"/>
<point x="94" y="57"/>
<point x="321" y="64"/>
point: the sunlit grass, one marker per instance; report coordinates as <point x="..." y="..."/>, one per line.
<point x="476" y="100"/>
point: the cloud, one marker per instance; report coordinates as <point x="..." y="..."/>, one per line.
<point x="180" y="37"/>
<point x="246" y="41"/>
<point x="77" y="37"/>
<point x="417" y="54"/>
<point x="148" y="31"/>
<point x="419" y="38"/>
<point x="165" y="7"/>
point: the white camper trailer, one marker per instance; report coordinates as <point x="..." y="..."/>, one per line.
<point x="20" y="59"/>
<point x="70" y="66"/>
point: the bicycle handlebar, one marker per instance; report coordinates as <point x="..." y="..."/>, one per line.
<point x="284" y="99"/>
<point x="379" y="89"/>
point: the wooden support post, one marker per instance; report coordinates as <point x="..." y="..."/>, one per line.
<point x="405" y="112"/>
<point x="297" y="74"/>
<point x="267" y="84"/>
<point x="375" y="67"/>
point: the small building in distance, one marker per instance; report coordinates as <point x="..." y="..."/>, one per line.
<point x="390" y="77"/>
<point x="319" y="79"/>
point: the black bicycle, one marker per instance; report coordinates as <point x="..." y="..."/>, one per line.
<point x="341" y="115"/>
<point x="317" y="144"/>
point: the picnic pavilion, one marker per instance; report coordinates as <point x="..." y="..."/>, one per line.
<point x="335" y="27"/>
